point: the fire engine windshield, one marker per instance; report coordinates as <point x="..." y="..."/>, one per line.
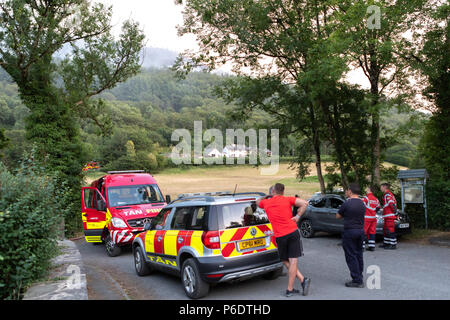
<point x="133" y="195"/>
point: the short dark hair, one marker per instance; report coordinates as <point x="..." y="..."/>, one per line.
<point x="387" y="185"/>
<point x="355" y="188"/>
<point x="278" y="188"/>
<point x="372" y="189"/>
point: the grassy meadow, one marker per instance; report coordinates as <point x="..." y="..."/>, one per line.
<point x="174" y="181"/>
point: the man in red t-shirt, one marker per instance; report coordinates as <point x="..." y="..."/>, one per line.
<point x="279" y="211"/>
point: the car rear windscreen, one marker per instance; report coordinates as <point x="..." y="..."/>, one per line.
<point x="237" y="215"/>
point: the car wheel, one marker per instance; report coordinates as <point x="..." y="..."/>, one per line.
<point x="112" y="249"/>
<point x="272" y="275"/>
<point x="193" y="285"/>
<point x="306" y="229"/>
<point x="140" y="265"/>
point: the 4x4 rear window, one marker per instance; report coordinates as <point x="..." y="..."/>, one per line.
<point x="237" y="215"/>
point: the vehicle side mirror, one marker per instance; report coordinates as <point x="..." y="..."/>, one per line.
<point x="101" y="205"/>
<point x="168" y="198"/>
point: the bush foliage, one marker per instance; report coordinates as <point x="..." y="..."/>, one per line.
<point x="30" y="213"/>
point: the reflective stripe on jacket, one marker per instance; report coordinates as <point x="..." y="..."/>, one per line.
<point x="389" y="205"/>
<point x="371" y="203"/>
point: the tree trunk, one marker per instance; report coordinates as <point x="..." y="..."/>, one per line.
<point x="316" y="145"/>
<point x="319" y="166"/>
<point x="374" y="74"/>
<point x="375" y="138"/>
<point x="377" y="153"/>
<point x="339" y="154"/>
<point x="336" y="138"/>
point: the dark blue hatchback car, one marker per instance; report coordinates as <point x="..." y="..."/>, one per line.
<point x="321" y="216"/>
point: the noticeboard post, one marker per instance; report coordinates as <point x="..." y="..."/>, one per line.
<point x="413" y="183"/>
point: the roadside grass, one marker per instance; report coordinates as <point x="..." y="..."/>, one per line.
<point x="424" y="235"/>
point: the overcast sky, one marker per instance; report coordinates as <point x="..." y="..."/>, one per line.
<point x="158" y="18"/>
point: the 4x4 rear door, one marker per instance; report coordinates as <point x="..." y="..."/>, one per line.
<point x="176" y="234"/>
<point x="186" y="229"/>
<point x="244" y="229"/>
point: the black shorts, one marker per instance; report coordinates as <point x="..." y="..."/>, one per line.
<point x="290" y="246"/>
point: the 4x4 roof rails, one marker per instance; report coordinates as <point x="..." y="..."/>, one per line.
<point x="218" y="193"/>
<point x="209" y="196"/>
<point x="262" y="194"/>
<point x="203" y="194"/>
<point x="126" y="171"/>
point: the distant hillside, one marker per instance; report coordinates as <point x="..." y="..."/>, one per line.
<point x="160" y="88"/>
<point x="147" y="108"/>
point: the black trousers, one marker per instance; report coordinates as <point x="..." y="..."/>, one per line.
<point x="352" y="242"/>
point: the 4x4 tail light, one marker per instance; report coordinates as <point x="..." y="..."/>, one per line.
<point x="211" y="239"/>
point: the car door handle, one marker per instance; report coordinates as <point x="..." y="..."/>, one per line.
<point x="159" y="239"/>
<point x="180" y="240"/>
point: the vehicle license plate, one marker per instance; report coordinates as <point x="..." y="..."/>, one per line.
<point x="243" y="245"/>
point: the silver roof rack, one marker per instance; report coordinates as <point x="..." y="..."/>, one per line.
<point x="262" y="194"/>
<point x="203" y="194"/>
<point x="210" y="196"/>
<point x="126" y="171"/>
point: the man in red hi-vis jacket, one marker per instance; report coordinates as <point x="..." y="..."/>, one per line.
<point x="389" y="215"/>
<point x="370" y="218"/>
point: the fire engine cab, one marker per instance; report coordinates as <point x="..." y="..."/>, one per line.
<point x="116" y="206"/>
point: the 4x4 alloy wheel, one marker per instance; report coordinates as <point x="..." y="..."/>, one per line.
<point x="141" y="267"/>
<point x="193" y="285"/>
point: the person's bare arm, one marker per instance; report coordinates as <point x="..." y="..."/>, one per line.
<point x="259" y="200"/>
<point x="301" y="205"/>
<point x="338" y="216"/>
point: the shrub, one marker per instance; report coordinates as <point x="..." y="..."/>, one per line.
<point x="30" y="213"/>
<point x="416" y="214"/>
<point x="438" y="197"/>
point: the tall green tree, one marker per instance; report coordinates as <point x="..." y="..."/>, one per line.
<point x="269" y="38"/>
<point x="59" y="93"/>
<point x="373" y="37"/>
<point x="434" y="62"/>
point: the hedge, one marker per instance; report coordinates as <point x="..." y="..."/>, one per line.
<point x="30" y="213"/>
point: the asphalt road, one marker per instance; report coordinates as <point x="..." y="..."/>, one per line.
<point x="411" y="272"/>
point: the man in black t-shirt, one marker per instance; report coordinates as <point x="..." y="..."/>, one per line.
<point x="353" y="211"/>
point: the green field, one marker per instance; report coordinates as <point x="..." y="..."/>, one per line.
<point x="174" y="181"/>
